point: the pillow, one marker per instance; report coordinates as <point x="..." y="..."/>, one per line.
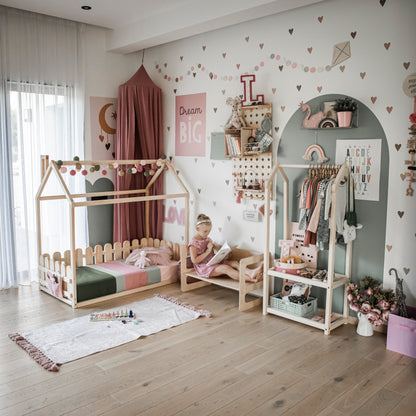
<point x="54" y="284"/>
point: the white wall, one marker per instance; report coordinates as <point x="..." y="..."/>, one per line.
<point x="381" y="48"/>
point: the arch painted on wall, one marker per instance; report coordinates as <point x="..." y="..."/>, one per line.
<point x="369" y="247"/>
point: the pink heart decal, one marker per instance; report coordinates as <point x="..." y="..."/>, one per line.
<point x="101" y="137"/>
<point x="406" y="270"/>
<point x="261" y="45"/>
<point x="400" y="213"/>
<point x="389" y="109"/>
<point x="199" y="190"/>
<point x="274" y="90"/>
<point x="229" y="219"/>
<point x="388" y="247"/>
<point x="252" y="239"/>
<point x="219" y="229"/>
<point x="291" y="31"/>
<point x="402" y="176"/>
<point x="362" y="75"/>
<point x="373" y="99"/>
<point x="247" y="38"/>
<point x="397" y="146"/>
<point x="224" y="55"/>
<point x="238" y="66"/>
<point x="310" y="50"/>
<point x="387" y="45"/>
<point x="283" y="107"/>
<point x="214" y="203"/>
<point x="181" y="58"/>
<point x="353" y="34"/>
<point x="204" y="47"/>
<point x="223" y="92"/>
<point x="406" y="65"/>
<point x="320" y="18"/>
<point x="341" y="68"/>
<point x="319" y="89"/>
<point x="298" y="87"/>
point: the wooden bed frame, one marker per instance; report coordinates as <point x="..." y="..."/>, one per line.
<point x="245" y="257"/>
<point x="64" y="265"/>
<point x="60" y="266"/>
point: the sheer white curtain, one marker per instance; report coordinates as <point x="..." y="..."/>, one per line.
<point x="41" y="112"/>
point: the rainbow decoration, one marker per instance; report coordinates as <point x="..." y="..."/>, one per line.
<point x="315" y="148"/>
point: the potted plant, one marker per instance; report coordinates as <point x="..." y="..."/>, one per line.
<point x="372" y="304"/>
<point x="345" y="107"/>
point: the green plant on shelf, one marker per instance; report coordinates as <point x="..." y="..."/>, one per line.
<point x="345" y="104"/>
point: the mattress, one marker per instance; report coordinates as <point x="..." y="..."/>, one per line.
<point x="103" y="279"/>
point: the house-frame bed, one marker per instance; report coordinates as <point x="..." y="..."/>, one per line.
<point x="63" y="266"/>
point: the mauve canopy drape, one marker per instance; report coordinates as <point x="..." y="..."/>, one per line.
<point x="139" y="136"/>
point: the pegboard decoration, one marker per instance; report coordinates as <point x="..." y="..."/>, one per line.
<point x="250" y="174"/>
<point x="254" y="115"/>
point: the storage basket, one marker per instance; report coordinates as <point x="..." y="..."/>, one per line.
<point x="308" y="308"/>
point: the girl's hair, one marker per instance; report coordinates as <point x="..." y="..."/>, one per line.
<point x="202" y="219"/>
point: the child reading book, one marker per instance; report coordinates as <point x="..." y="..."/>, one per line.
<point x="201" y="249"/>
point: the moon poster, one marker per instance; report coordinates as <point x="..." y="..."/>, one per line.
<point x="190" y="116"/>
<point x="103" y="113"/>
<point x="364" y="157"/>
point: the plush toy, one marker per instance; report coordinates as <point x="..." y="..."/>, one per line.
<point x="142" y="261"/>
<point x="349" y="233"/>
<point x="236" y="119"/>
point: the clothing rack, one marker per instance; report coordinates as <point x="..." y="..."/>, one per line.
<point x="334" y="280"/>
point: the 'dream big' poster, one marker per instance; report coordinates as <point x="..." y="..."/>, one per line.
<point x="190" y="117"/>
<point x="364" y="156"/>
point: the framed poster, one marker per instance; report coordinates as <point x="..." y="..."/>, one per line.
<point x="364" y="156"/>
<point x="103" y="114"/>
<point x="190" y="118"/>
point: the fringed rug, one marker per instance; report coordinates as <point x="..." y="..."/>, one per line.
<point x="67" y="341"/>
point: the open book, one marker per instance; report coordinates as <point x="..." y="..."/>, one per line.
<point x="220" y="254"/>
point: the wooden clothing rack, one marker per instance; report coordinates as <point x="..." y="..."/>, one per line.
<point x="52" y="168"/>
<point x="334" y="280"/>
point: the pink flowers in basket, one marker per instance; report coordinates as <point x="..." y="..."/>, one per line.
<point x="370" y="299"/>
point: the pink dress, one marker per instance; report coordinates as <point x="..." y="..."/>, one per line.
<point x="202" y="269"/>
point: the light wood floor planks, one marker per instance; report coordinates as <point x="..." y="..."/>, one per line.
<point x="235" y="363"/>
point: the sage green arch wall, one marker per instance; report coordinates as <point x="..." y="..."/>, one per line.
<point x="369" y="247"/>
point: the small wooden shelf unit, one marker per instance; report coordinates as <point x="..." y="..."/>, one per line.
<point x="333" y="281"/>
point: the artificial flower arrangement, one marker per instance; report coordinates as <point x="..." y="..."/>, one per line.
<point x="370" y="299"/>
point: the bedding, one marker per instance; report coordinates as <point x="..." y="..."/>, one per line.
<point x="103" y="279"/>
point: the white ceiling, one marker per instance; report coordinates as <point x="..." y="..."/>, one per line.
<point x="138" y="24"/>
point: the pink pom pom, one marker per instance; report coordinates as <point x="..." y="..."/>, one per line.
<point x="84" y="172"/>
<point x="73" y="172"/>
<point x="104" y="172"/>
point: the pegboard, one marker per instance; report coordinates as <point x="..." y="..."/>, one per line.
<point x="253" y="115"/>
<point x="249" y="170"/>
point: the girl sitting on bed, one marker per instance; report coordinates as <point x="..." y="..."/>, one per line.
<point x="201" y="249"/>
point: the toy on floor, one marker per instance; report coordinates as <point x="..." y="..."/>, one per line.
<point x="126" y="316"/>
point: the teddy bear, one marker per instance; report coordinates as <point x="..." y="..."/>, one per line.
<point x="235" y="120"/>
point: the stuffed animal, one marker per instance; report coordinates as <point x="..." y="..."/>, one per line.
<point x="236" y="119"/>
<point x="142" y="261"/>
<point x="349" y="233"/>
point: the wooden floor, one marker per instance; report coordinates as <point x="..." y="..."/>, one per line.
<point x="235" y="363"/>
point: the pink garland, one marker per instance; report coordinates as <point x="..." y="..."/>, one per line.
<point x="34" y="352"/>
<point x="172" y="299"/>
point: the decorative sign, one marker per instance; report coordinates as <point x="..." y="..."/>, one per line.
<point x="103" y="114"/>
<point x="248" y="98"/>
<point x="409" y="85"/>
<point x="365" y="157"/>
<point x="190" y="116"/>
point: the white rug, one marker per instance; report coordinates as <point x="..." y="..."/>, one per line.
<point x="69" y="340"/>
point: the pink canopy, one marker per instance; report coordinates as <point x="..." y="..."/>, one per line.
<point x="139" y="136"/>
